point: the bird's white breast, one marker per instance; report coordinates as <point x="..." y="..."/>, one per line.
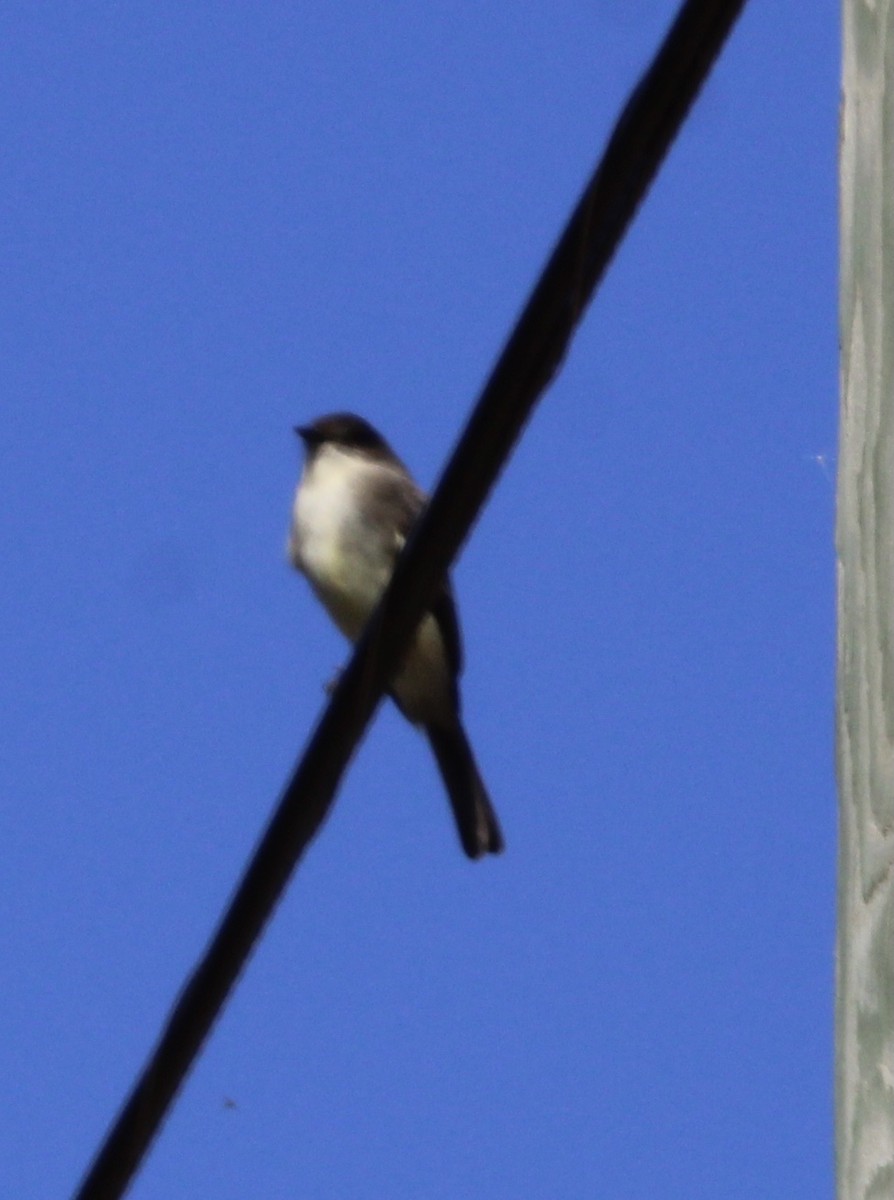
<point x="348" y="557"/>
<point x="332" y="544"/>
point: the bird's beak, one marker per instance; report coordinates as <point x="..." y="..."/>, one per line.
<point x="302" y="431"/>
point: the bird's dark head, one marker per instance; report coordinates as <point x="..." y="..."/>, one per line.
<point x="347" y="431"/>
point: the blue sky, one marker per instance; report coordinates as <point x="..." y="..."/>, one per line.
<point x="220" y="220"/>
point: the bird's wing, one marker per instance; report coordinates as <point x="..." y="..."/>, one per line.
<point x="392" y="491"/>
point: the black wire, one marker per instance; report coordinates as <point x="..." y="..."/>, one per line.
<point x="642" y="136"/>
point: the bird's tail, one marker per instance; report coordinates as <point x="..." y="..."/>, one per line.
<point x="476" y="822"/>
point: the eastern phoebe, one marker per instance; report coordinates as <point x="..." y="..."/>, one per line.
<point x="353" y="509"/>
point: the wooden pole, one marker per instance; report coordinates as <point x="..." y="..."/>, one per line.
<point x="865" y="544"/>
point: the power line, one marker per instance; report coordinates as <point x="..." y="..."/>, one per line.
<point x="641" y="139"/>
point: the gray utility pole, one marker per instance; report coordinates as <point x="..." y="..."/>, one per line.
<point x="865" y="541"/>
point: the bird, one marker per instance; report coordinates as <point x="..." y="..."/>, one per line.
<point x="354" y="506"/>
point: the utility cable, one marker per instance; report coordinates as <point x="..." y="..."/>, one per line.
<point x="641" y="139"/>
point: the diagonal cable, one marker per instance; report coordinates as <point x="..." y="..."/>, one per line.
<point x="641" y="138"/>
